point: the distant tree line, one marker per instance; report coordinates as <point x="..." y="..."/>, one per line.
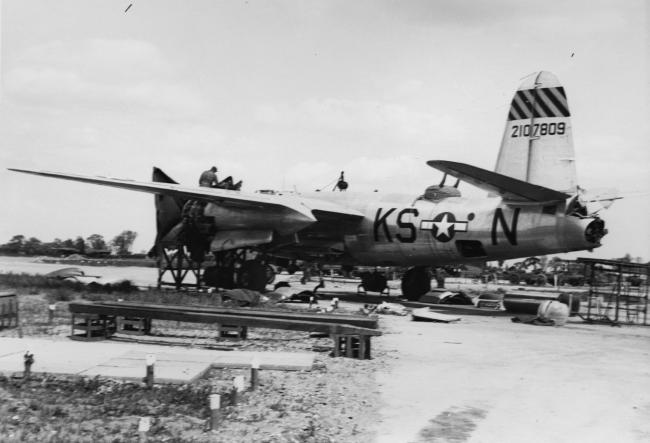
<point x="94" y="245"/>
<point x="629" y="259"/>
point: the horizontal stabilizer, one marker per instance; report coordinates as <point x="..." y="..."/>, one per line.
<point x="508" y="188"/>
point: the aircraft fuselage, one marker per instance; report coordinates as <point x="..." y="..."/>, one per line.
<point x="400" y="230"/>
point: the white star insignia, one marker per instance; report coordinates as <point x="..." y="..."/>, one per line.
<point x="443" y="226"/>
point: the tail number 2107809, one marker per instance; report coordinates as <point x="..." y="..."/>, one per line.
<point x="538" y="129"/>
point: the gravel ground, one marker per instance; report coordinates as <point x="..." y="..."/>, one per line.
<point x="335" y="402"/>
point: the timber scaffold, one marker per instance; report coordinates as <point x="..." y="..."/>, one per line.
<point x="618" y="292"/>
<point x="99" y="320"/>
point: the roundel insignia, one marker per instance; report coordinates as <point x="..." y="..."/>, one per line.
<point x="444" y="226"/>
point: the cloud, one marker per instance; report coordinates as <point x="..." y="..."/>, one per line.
<point x="120" y="59"/>
<point x="365" y="119"/>
<point x="106" y="74"/>
<point x="534" y="16"/>
<point x="388" y="174"/>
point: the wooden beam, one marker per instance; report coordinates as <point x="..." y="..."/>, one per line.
<point x="185" y="315"/>
<point x="356" y="320"/>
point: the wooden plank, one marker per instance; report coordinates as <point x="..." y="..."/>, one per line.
<point x="91" y="327"/>
<point x="83" y="337"/>
<point x="203" y="317"/>
<point x="425" y="314"/>
<point x="362" y="347"/>
<point x="129" y="307"/>
<point x="348" y="319"/>
<point x="337" y="345"/>
<point x="356" y="320"/>
<point x="349" y="349"/>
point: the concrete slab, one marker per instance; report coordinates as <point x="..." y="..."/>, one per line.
<point x="135" y="369"/>
<point x="286" y="361"/>
<point x="487" y="379"/>
<point x="268" y="360"/>
<point x="54" y="356"/>
<point x="175" y="355"/>
<point x="127" y="361"/>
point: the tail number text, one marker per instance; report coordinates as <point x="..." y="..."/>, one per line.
<point x="538" y="129"/>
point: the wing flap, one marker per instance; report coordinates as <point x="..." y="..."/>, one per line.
<point x="509" y="188"/>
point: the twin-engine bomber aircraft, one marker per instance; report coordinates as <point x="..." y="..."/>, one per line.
<point x="535" y="208"/>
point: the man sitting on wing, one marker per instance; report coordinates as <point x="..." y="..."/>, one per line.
<point x="209" y="178"/>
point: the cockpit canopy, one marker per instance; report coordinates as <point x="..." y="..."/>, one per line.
<point x="438" y="192"/>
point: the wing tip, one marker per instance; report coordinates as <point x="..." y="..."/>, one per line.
<point x="24" y="171"/>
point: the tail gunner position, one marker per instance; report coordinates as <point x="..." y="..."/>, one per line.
<point x="534" y="208"/>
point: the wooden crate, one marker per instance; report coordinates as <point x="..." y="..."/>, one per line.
<point x="8" y="310"/>
<point x="232" y="331"/>
<point x="92" y="326"/>
<point x="352" y="346"/>
<point x="133" y="325"/>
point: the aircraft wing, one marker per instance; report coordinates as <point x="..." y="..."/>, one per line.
<point x="509" y="188"/>
<point x="304" y="212"/>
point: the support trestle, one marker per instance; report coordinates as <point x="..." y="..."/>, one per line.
<point x="176" y="262"/>
<point x="352" y="346"/>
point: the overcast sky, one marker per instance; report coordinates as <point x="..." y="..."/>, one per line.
<point x="286" y="94"/>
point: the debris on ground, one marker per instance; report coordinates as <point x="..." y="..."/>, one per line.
<point x="71" y="273"/>
<point x="492" y="300"/>
<point x="426" y="314"/>
<point x="549" y="313"/>
<point x="455" y="298"/>
<point x="533" y="320"/>
<point x="284" y="293"/>
<point x="386" y="308"/>
<point x="245" y="297"/>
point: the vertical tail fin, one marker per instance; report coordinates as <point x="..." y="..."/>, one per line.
<point x="537" y="144"/>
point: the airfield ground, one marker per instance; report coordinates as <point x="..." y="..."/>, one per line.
<point x="487" y="379"/>
<point x="483" y="379"/>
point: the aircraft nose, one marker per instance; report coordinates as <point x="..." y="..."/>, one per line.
<point x="595" y="231"/>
